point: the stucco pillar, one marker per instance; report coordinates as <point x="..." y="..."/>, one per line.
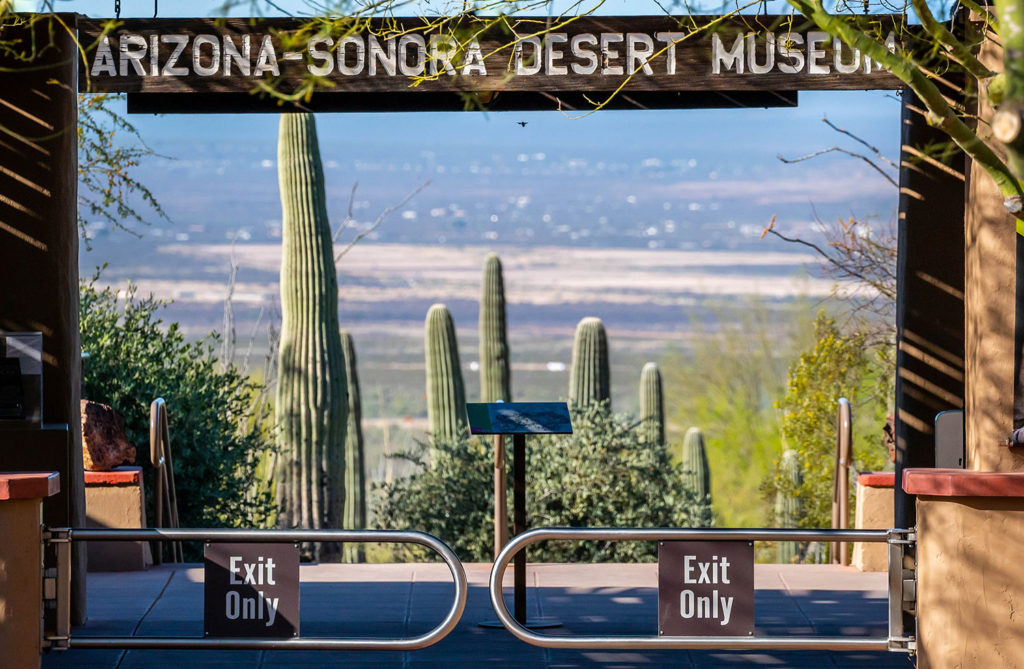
<point x="990" y="307"/>
<point x="21" y="566"/>
<point x="969" y="590"/>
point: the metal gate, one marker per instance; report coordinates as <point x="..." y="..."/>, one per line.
<point x="901" y="589"/>
<point x="902" y="581"/>
<point x="57" y="587"/>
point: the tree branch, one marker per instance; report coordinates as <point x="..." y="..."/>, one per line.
<point x="836" y="149"/>
<point x="940" y="114"/>
<point x="380" y="219"/>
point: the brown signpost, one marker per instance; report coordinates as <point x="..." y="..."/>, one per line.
<point x="410" y="61"/>
<point x="705" y="588"/>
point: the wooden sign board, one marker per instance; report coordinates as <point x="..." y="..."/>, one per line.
<point x="251" y="590"/>
<point x="477" y="55"/>
<point x="706" y="588"/>
<point x="519" y="418"/>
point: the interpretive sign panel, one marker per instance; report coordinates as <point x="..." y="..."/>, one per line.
<point x="477" y="54"/>
<point x="706" y="588"/>
<point x="519" y="418"/>
<point x="251" y="590"/>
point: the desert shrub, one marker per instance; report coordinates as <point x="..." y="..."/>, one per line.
<point x="600" y="476"/>
<point x="215" y="437"/>
<point x="836" y="365"/>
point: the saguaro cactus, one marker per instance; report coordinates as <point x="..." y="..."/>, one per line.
<point x="446" y="392"/>
<point x="355" y="475"/>
<point x="697" y="472"/>
<point x="589" y="377"/>
<point x="787" y="505"/>
<point x="495" y="378"/>
<point x="311" y="404"/>
<point x="652" y="406"/>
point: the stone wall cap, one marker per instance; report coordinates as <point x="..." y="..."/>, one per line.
<point x="877" y="479"/>
<point x="123" y="475"/>
<point x="962" y="483"/>
<point x="28" y="485"/>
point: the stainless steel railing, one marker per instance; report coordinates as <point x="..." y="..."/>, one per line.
<point x="165" y="495"/>
<point x="521" y="541"/>
<point x="63" y="638"/>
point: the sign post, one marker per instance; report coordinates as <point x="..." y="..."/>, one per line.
<point x="519" y="419"/>
<point x="251" y="590"/>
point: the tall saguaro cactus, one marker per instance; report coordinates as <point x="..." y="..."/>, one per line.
<point x="495" y="377"/>
<point x="697" y="472"/>
<point x="446" y="391"/>
<point x="311" y="403"/>
<point x="652" y="405"/>
<point x="355" y="474"/>
<point x="589" y="376"/>
<point x="787" y="505"/>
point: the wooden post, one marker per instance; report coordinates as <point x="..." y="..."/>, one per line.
<point x="500" y="496"/>
<point x="930" y="297"/>
<point x="39" y="227"/>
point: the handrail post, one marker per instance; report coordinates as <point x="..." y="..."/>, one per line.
<point x="156" y="459"/>
<point x="165" y="497"/>
<point x="841" y="480"/>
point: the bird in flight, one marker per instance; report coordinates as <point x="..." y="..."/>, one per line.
<point x="522" y="123"/>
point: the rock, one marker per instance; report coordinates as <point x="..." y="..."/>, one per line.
<point x="104" y="443"/>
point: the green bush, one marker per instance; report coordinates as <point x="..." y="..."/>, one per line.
<point x="600" y="476"/>
<point x="836" y="366"/>
<point x="216" y="439"/>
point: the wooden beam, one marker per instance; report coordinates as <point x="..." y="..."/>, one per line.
<point x="39" y="227"/>
<point x="412" y="56"/>
<point x="930" y="297"/>
<point x="573" y="103"/>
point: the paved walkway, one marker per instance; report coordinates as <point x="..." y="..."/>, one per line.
<point x="409" y="599"/>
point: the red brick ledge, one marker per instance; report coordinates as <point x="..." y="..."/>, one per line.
<point x="28" y="485"/>
<point x="962" y="483"/>
<point x="877" y="479"/>
<point x="124" y="475"/>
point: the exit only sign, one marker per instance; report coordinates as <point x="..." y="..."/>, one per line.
<point x="706" y="588"/>
<point x="251" y="590"/>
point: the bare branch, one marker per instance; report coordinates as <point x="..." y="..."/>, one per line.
<point x="874" y="166"/>
<point x="860" y="140"/>
<point x="227" y="351"/>
<point x="349" y="218"/>
<point x="380" y="219"/>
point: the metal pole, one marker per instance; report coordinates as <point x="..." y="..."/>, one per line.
<point x="500" y="496"/>
<point x="845" y="454"/>
<point x="519" y="522"/>
<point x="156" y="458"/>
